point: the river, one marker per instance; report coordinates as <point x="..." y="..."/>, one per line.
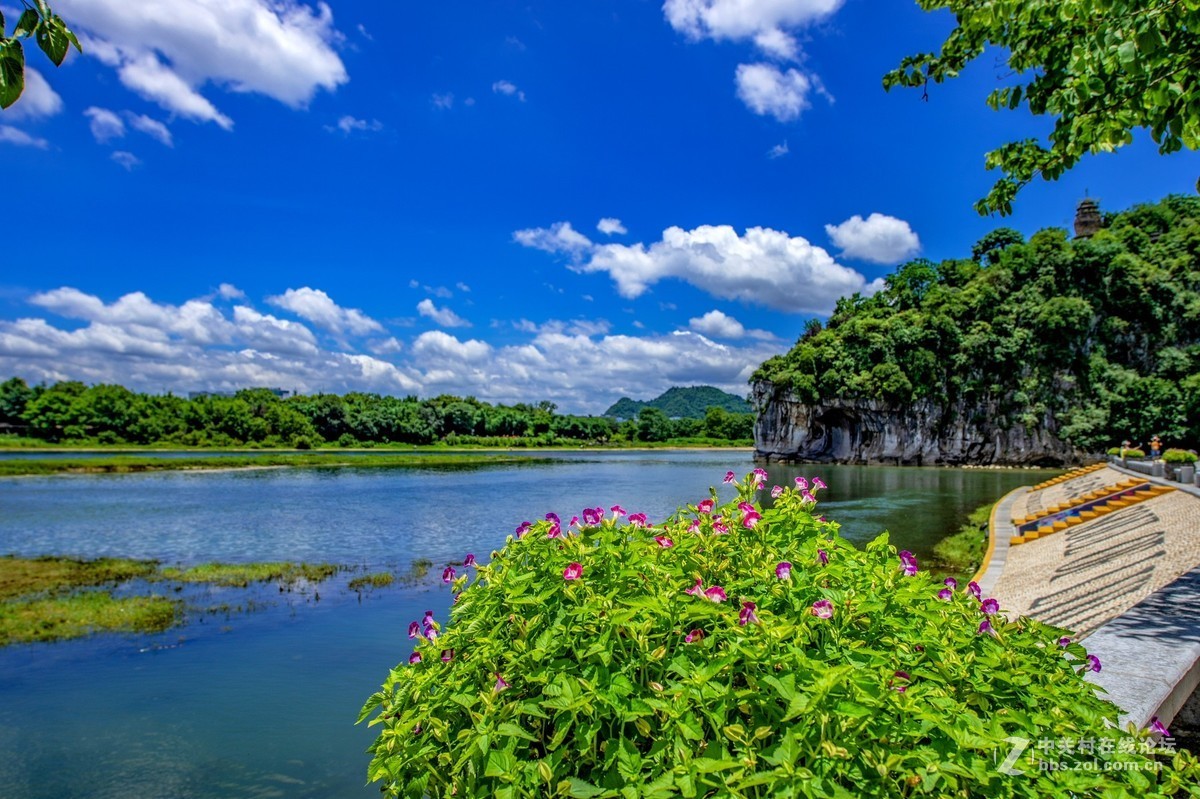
<point x="262" y="704"/>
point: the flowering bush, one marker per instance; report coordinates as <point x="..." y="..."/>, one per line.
<point x="736" y="651"/>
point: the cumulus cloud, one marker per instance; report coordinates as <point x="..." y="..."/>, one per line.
<point x="104" y="124"/>
<point x="768" y="91"/>
<point x="770" y="24"/>
<point x="778" y="151"/>
<point x="170" y="50"/>
<point x="126" y="159"/>
<point x="879" y="238"/>
<point x="559" y="237"/>
<point x="11" y="135"/>
<point x="229" y="291"/>
<point x="38" y="100"/>
<point x="763" y="267"/>
<point x="509" y="89"/>
<point x="718" y="324"/>
<point x="319" y="308"/>
<point x="611" y="225"/>
<point x="442" y="316"/>
<point x="349" y="124"/>
<point x="151" y="127"/>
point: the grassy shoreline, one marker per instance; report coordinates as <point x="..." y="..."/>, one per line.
<point x="961" y="554"/>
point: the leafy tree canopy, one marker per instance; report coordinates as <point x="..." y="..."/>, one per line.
<point x="682" y="403"/>
<point x="1099" y="338"/>
<point x="37" y="20"/>
<point x="1103" y="68"/>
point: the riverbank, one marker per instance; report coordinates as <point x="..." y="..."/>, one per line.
<point x="146" y="462"/>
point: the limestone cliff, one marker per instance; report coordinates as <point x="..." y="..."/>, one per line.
<point x="920" y="433"/>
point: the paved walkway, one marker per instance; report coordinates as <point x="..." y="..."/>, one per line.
<point x="1090" y="573"/>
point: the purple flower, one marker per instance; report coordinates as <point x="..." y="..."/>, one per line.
<point x="985" y="626"/>
<point x="729" y="477"/>
<point x="523" y="528"/>
<point x="694" y="635"/>
<point x="747" y="614"/>
<point x="801" y="484"/>
<point x="908" y="562"/>
<point x="705" y="506"/>
<point x="637" y="519"/>
<point x="807" y="497"/>
<point x="822" y="609"/>
<point x="664" y="542"/>
<point x="776" y="491"/>
<point x="448" y="575"/>
<point x="818" y="484"/>
<point x="715" y="594"/>
<point x="553" y="517"/>
<point x="745" y="507"/>
<point x="469" y="560"/>
<point x="500" y="684"/>
<point x="1064" y="642"/>
<point x="429" y="631"/>
<point x="414" y="658"/>
<point x="593" y="516"/>
<point x="694" y="527"/>
<point x="899" y="675"/>
<point x="573" y="571"/>
<point x="945" y="594"/>
<point x="617" y="511"/>
<point x="447" y="655"/>
<point x="950" y="582"/>
<point x="574" y="522"/>
<point x="1093" y="663"/>
<point x="760" y="477"/>
<point x="989" y="607"/>
<point x="751" y="519"/>
<point x="414" y="629"/>
<point x="1156" y="726"/>
<point x="719" y="528"/>
<point x="555" y="531"/>
<point x="697" y="589"/>
<point x="821" y="556"/>
<point x="783" y="570"/>
<point x="974" y="590"/>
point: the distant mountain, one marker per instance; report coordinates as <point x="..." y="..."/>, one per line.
<point x="676" y="402"/>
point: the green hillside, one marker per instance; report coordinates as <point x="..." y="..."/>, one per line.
<point x="682" y="403"/>
<point x="1096" y="339"/>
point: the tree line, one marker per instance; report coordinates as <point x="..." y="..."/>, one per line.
<point x="1095" y="339"/>
<point x="70" y="411"/>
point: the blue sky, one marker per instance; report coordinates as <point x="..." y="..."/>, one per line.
<point x="518" y="201"/>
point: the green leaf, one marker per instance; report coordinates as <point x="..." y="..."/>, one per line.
<point x="52" y="38"/>
<point x="581" y="789"/>
<point x="501" y="764"/>
<point x="12" y="72"/>
<point x="27" y="24"/>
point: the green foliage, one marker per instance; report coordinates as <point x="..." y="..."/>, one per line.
<point x="369" y="581"/>
<point x="242" y="574"/>
<point x="1181" y="456"/>
<point x="1102" y="70"/>
<point x="692" y="402"/>
<point x="1087" y="339"/>
<point x="56" y="618"/>
<point x="580" y="665"/>
<point x="47" y="29"/>
<point x="124" y="464"/>
<point x="960" y="555"/>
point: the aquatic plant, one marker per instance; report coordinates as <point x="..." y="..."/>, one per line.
<point x="766" y="660"/>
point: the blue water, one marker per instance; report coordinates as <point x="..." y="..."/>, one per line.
<point x="262" y="704"/>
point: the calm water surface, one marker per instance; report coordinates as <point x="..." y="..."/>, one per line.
<point x="263" y="703"/>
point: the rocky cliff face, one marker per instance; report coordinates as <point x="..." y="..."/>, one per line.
<point x="922" y="433"/>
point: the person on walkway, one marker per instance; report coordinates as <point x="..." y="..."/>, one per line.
<point x="1155" y="448"/>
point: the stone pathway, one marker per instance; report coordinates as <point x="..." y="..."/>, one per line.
<point x="1034" y="503"/>
<point x="1092" y="572"/>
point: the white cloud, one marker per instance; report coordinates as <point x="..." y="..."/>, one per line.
<point x="443" y="101"/>
<point x="463" y="287"/>
<point x="559" y="237"/>
<point x="573" y="327"/>
<point x="768" y="91"/>
<point x="720" y="325"/>
<point x="778" y="151"/>
<point x="38" y="100"/>
<point x="126" y="159"/>
<point x="764" y="266"/>
<point x="879" y="238"/>
<point x="442" y="316"/>
<point x="169" y="50"/>
<point x="151" y="127"/>
<point x="11" y="135"/>
<point x="349" y="124"/>
<point x="387" y="346"/>
<point x="104" y="124"/>
<point x="768" y="23"/>
<point x="319" y="308"/>
<point x="610" y="225"/>
<point x="229" y="291"/>
<point x="508" y="88"/>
